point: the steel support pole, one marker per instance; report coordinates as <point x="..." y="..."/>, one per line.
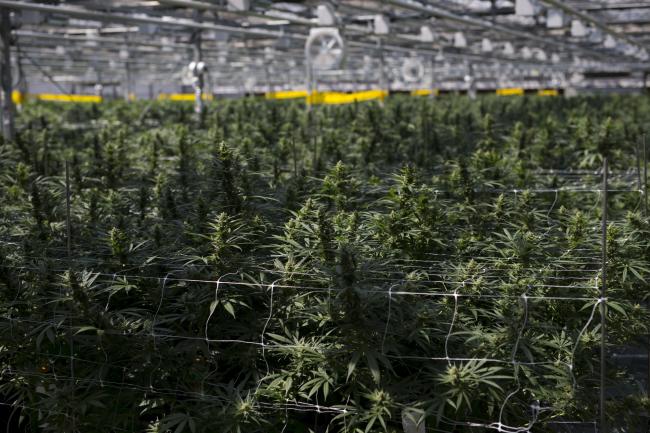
<point x="309" y="72"/>
<point x="199" y="78"/>
<point x="471" y="85"/>
<point x="68" y="224"/>
<point x="99" y="86"/>
<point x="383" y="82"/>
<point x="127" y="80"/>
<point x="603" y="306"/>
<point x="382" y="66"/>
<point x="433" y="78"/>
<point x="645" y="213"/>
<point x="8" y="109"/>
<point x="267" y="77"/>
<point x="645" y="176"/>
<point x="638" y="166"/>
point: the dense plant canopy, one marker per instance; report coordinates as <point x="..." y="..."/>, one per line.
<point x="277" y="270"/>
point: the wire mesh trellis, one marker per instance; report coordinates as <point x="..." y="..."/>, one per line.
<point x="389" y="292"/>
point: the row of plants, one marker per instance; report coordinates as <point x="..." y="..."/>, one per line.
<point x="337" y="270"/>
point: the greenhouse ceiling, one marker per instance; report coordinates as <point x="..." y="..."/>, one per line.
<point x="259" y="46"/>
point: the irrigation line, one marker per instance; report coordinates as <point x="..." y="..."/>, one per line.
<point x="645" y="177"/>
<point x="487" y="279"/>
<point x="392" y="266"/>
<point x="645" y="213"/>
<point x="481" y="272"/>
<point x="533" y="191"/>
<point x="460" y="259"/>
<point x="486" y="275"/>
<point x="467" y="256"/>
<point x="69" y="257"/>
<point x="603" y="305"/>
<point x="326" y="289"/>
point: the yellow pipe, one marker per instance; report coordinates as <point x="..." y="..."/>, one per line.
<point x="286" y="94"/>
<point x="338" y="98"/>
<point x="548" y="92"/>
<point x="510" y="91"/>
<point x="68" y="98"/>
<point x="182" y="97"/>
<point x="425" y="92"/>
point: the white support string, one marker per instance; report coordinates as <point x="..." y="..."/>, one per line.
<point x="577" y="342"/>
<point x="390" y="299"/>
<point x="153" y="329"/>
<point x="500" y="425"/>
<point x="212" y="310"/>
<point x="451" y="327"/>
<point x="155" y="316"/>
<point x="262" y="341"/>
<point x="524" y="298"/>
<point x="108" y="301"/>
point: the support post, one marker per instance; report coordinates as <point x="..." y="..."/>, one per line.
<point x="68" y="225"/>
<point x="8" y="109"/>
<point x="99" y="86"/>
<point x="127" y="80"/>
<point x="637" y="158"/>
<point x="603" y="305"/>
<point x="383" y="84"/>
<point x="642" y="182"/>
<point x="310" y="82"/>
<point x="269" y="86"/>
<point x="199" y="79"/>
<point x="645" y="176"/>
<point x="471" y="85"/>
<point x="433" y="77"/>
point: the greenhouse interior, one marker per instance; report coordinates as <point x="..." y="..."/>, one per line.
<point x="345" y="216"/>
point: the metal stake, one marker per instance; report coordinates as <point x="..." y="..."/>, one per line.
<point x="199" y="83"/>
<point x="471" y="84"/>
<point x="638" y="166"/>
<point x="433" y="78"/>
<point x="127" y="80"/>
<point x="603" y="304"/>
<point x="645" y="175"/>
<point x="383" y="82"/>
<point x="8" y="109"/>
<point x="645" y="214"/>
<point x="67" y="210"/>
<point x="310" y="82"/>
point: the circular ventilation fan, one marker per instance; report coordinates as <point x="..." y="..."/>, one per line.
<point x="325" y="48"/>
<point x="412" y="70"/>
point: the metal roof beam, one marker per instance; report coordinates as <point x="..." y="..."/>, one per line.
<point x="114" y="17"/>
<point x="442" y="13"/>
<point x="199" y="5"/>
<point x="107" y="40"/>
<point x="138" y="19"/>
<point x="588" y="18"/>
